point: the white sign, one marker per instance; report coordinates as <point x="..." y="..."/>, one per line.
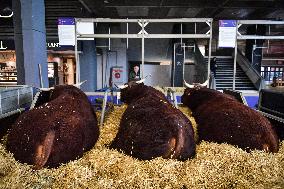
<point x="66" y="31"/>
<point x="85" y="28"/>
<point x="227" y="33"/>
<point x="2" y="46"/>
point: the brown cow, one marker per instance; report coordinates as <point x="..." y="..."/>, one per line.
<point x="223" y="119"/>
<point x="151" y="127"/>
<point x="55" y="132"/>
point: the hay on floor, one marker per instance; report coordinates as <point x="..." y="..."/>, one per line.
<point x="214" y="166"/>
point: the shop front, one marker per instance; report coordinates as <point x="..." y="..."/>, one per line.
<point x="8" y="72"/>
<point x="61" y="63"/>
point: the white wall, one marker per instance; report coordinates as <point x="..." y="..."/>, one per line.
<point x="189" y="73"/>
<point x="110" y="59"/>
<point x="161" y="75"/>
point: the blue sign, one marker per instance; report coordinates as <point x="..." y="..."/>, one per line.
<point x="66" y="21"/>
<point x="227" y="23"/>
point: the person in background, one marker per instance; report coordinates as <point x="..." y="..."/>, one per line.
<point x="274" y="82"/>
<point x="213" y="66"/>
<point x="134" y="75"/>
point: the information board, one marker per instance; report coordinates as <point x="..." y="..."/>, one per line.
<point x="227" y="33"/>
<point x="66" y="31"/>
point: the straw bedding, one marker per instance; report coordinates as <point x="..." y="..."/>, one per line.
<point x="214" y="166"/>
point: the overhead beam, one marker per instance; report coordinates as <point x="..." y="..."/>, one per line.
<point x="154" y="36"/>
<point x="177" y="20"/>
<point x="240" y="6"/>
<point x="270" y="22"/>
<point x="86" y="6"/>
<point x="243" y="37"/>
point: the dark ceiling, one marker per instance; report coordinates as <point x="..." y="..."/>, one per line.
<point x="217" y="9"/>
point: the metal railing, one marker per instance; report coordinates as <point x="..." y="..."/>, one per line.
<point x="143" y="34"/>
<point x="249" y="70"/>
<point x="14" y="99"/>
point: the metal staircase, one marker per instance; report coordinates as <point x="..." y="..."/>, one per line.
<point x="224" y="76"/>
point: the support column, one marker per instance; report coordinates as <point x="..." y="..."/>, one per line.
<point x="30" y="42"/>
<point x="177" y="72"/>
<point x="178" y="65"/>
<point x="88" y="66"/>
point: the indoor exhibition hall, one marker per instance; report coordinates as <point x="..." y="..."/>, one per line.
<point x="149" y="94"/>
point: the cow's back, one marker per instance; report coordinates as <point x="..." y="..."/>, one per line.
<point x="224" y="120"/>
<point x="147" y="126"/>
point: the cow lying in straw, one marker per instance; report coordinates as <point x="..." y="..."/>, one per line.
<point x="151" y="127"/>
<point x="57" y="131"/>
<point x="223" y="119"/>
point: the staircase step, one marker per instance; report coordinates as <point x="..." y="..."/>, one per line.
<point x="228" y="71"/>
<point x="237" y="82"/>
<point x="227" y="74"/>
<point x="224" y="75"/>
<point x="231" y="78"/>
<point x="237" y="88"/>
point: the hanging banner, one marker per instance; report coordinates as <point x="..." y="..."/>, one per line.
<point x="66" y="31"/>
<point x="227" y="33"/>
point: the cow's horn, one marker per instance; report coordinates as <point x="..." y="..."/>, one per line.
<point x="205" y="83"/>
<point x="79" y="84"/>
<point x="188" y="85"/>
<point x="140" y="81"/>
<point x="122" y="86"/>
<point x="46" y="89"/>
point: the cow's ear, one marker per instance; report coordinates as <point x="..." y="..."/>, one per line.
<point x="43" y="150"/>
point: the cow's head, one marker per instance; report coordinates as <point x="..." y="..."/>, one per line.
<point x="192" y="88"/>
<point x="60" y="90"/>
<point x="197" y="94"/>
<point x="132" y="90"/>
<point x="196" y="85"/>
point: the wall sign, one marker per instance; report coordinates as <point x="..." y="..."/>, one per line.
<point x="52" y="45"/>
<point x="1" y="46"/>
<point x="66" y="31"/>
<point x="7" y="45"/>
<point x="55" y="46"/>
<point x="227" y="33"/>
<point x="116" y="76"/>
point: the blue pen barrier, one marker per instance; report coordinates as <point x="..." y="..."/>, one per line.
<point x="252" y="101"/>
<point x="93" y="98"/>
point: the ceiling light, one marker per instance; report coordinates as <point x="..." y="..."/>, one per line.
<point x="6" y="13"/>
<point x="106" y="1"/>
